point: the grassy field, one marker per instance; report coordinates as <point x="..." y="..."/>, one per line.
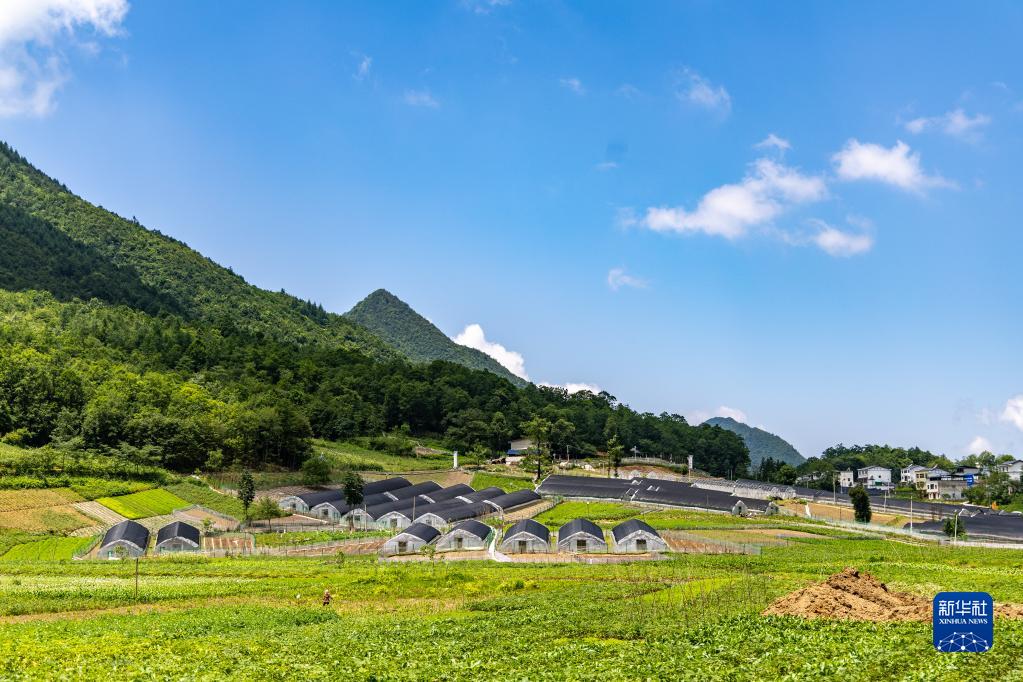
<point x="199" y="493"/>
<point x="354" y="456"/>
<point x="486" y="479"/>
<point x="13" y="500"/>
<point x="147" y="503"/>
<point x="53" y="549"/>
<point x="690" y="618"/>
<point x="312" y="537"/>
<point x="62" y="519"/>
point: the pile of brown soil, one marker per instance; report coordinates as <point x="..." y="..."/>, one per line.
<point x="851" y="595"/>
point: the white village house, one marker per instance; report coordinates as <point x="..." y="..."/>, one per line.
<point x="1014" y="469"/>
<point x="921" y="476"/>
<point x="874" y="477"/>
<point x="846" y="478"/>
<point x="909" y="473"/>
<point x="947" y="488"/>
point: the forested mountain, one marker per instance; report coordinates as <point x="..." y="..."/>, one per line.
<point x="123" y="343"/>
<point x="762" y="444"/>
<point x="416" y="337"/>
<point x="120" y="261"/>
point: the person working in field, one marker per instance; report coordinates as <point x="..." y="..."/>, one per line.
<point x="326" y="597"/>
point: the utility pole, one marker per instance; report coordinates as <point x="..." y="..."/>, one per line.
<point x="136" y="578"/>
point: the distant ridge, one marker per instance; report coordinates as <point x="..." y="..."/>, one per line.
<point x="397" y="324"/>
<point x="762" y="444"/>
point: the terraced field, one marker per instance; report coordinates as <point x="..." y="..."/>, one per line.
<point x="157" y="502"/>
<point x="13" y="500"/>
<point x="52" y="549"/>
<point x="61" y="519"/>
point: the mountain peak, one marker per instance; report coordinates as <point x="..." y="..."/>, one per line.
<point x="761" y="444"/>
<point x="414" y="336"/>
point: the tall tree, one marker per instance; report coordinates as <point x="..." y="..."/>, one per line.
<point x="246" y="490"/>
<point x="539" y="429"/>
<point x="861" y="504"/>
<point x="614" y="456"/>
<point x="353" y="487"/>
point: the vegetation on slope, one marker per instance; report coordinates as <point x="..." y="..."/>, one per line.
<point x="762" y="444"/>
<point x="417" y="338"/>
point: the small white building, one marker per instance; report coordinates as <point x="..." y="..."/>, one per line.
<point x="581" y="535"/>
<point x="946" y="488"/>
<point x="1014" y="469"/>
<point x="874" y="477"/>
<point x="128" y="538"/>
<point x="178" y="537"/>
<point x="526" y="537"/>
<point x="410" y="540"/>
<point x="846" y="478"/>
<point x="637" y="536"/>
<point x="908" y="474"/>
<point x="468" y="535"/>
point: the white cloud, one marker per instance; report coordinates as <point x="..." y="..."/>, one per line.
<point x="694" y="89"/>
<point x="978" y="445"/>
<point x="362" y="70"/>
<point x="618" y="278"/>
<point x="606" y="166"/>
<point x="772" y="141"/>
<point x="729" y="211"/>
<point x="897" y="166"/>
<point x="700" y="416"/>
<point x="32" y="67"/>
<point x="625" y="217"/>
<point x="956" y="123"/>
<point x="1013" y="412"/>
<point x="573" y="387"/>
<point x="573" y="84"/>
<point x="628" y="91"/>
<point x="473" y="337"/>
<point x="835" y="242"/>
<point x="421" y="98"/>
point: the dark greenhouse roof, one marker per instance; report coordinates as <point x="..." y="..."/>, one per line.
<point x="455" y="512"/>
<point x="529" y="526"/>
<point x="449" y="492"/>
<point x="513" y="499"/>
<point x="413" y="490"/>
<point x="627" y="528"/>
<point x="483" y="495"/>
<point x="477" y="528"/>
<point x="386" y="485"/>
<point x="130" y="531"/>
<point x="179" y="529"/>
<point x="423" y="531"/>
<point x="580" y="526"/>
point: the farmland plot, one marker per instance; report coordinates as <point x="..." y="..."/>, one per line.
<point x="155" y="502"/>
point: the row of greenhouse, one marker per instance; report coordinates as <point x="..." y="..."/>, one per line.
<point x="579" y="536"/>
<point x="396" y="504"/>
<point x="131" y="539"/>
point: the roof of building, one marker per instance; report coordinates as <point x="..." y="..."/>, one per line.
<point x="385" y="485"/>
<point x="129" y="531"/>
<point x="484" y="494"/>
<point x="531" y="527"/>
<point x="377" y="510"/>
<point x="576" y="526"/>
<point x="413" y="490"/>
<point x="313" y="498"/>
<point x="627" y="528"/>
<point x="179" y="529"/>
<point x="872" y="467"/>
<point x="514" y="499"/>
<point x="474" y="527"/>
<point x="423" y="531"/>
<point x="450" y="492"/>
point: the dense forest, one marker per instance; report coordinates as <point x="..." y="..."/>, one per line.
<point x="417" y="338"/>
<point x="92" y="376"/>
<point x="116" y="339"/>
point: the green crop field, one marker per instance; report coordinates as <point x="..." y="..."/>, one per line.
<point x="354" y="456"/>
<point x="485" y="479"/>
<point x="200" y="493"/>
<point x="603" y="513"/>
<point x="694" y="617"/>
<point x="50" y="549"/>
<point x="146" y="503"/>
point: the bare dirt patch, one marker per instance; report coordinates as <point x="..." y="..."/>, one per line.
<point x="852" y="595"/>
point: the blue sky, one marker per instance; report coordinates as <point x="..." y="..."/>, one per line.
<point x="804" y="214"/>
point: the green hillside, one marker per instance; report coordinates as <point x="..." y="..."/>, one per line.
<point x="761" y="444"/>
<point x="128" y="350"/>
<point x="56" y="241"/>
<point x="417" y="338"/>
